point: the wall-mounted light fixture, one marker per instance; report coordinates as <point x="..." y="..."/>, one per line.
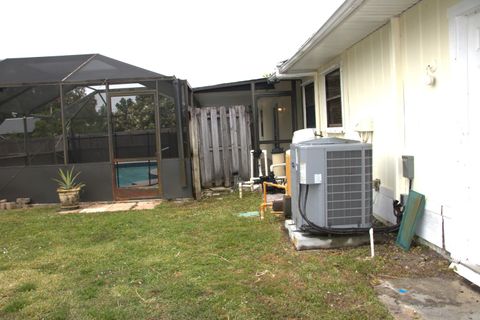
<point x="429" y="77"/>
<point x="365" y="130"/>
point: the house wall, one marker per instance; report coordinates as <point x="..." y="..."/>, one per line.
<point x="383" y="83"/>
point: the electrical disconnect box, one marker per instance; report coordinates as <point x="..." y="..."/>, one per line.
<point x="408" y="167"/>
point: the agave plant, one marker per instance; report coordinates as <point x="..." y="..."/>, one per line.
<point x="67" y="179"/>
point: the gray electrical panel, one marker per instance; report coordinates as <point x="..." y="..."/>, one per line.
<point x="309" y="170"/>
<point x="408" y="167"/>
<point x="331" y="181"/>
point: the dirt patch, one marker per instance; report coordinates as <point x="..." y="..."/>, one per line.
<point x="419" y="262"/>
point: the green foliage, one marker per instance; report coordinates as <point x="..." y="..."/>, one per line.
<point x="50" y="123"/>
<point x="167" y="112"/>
<point x="92" y="118"/>
<point x="138" y="113"/>
<point x="267" y="74"/>
<point x="68" y="179"/>
<point x="135" y="114"/>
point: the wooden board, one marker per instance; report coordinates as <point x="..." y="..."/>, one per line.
<point x="222" y="138"/>
<point x="234" y="139"/>
<point x="413" y="212"/>
<point x="225" y="149"/>
<point x="217" y="165"/>
<point x="194" y="145"/>
<point x="205" y="156"/>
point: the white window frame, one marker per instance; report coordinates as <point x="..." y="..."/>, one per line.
<point x="458" y="38"/>
<point x="457" y="20"/>
<point x="337" y="130"/>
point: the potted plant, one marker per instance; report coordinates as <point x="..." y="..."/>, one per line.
<point x="69" y="189"/>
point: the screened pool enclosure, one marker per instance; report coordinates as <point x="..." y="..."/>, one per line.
<point x="121" y="126"/>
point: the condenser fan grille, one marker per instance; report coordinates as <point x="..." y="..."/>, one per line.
<point x="349" y="176"/>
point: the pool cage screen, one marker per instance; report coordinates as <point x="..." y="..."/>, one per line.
<point x="88" y="109"/>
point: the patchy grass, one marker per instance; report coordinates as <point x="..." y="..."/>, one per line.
<point x="15" y="305"/>
<point x="181" y="261"/>
<point x="27" y="286"/>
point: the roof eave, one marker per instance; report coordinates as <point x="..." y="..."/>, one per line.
<point x="334" y="21"/>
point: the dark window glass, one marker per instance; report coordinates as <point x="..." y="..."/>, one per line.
<point x="310" y="105"/>
<point x="334" y="99"/>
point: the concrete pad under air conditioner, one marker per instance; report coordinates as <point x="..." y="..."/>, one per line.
<point x="305" y="241"/>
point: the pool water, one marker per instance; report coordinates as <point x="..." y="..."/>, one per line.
<point x="133" y="174"/>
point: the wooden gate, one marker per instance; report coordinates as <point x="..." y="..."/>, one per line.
<point x="220" y="140"/>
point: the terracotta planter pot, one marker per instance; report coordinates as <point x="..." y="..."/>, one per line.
<point x="69" y="199"/>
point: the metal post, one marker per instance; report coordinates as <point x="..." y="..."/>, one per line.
<point x="117" y="175"/>
<point x="185" y="106"/>
<point x="64" y="129"/>
<point x="255" y="144"/>
<point x="25" y="141"/>
<point x="276" y="129"/>
<point x="294" y="105"/>
<point x="111" y="156"/>
<point x="149" y="175"/>
<point x="158" y="141"/>
<point x="255" y="117"/>
<point x="181" y="154"/>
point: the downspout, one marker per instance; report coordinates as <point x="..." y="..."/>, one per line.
<point x="256" y="138"/>
<point x="179" y="127"/>
<point x="397" y="91"/>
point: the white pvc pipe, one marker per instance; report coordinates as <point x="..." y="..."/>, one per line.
<point x="277" y="165"/>
<point x="372" y="248"/>
<point x="251" y="165"/>
<point x="260" y="171"/>
<point x="265" y="158"/>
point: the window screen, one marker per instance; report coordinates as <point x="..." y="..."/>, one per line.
<point x="334" y="99"/>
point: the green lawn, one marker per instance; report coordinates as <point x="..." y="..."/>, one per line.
<point x="194" y="260"/>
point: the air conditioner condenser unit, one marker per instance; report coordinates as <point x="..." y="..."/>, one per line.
<point x="331" y="183"/>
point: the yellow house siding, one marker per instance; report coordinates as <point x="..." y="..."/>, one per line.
<point x="385" y="78"/>
<point x="369" y="90"/>
<point x="425" y="42"/>
<point x="366" y="96"/>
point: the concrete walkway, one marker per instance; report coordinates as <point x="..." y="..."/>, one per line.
<point x="430" y="298"/>
<point x="115" y="206"/>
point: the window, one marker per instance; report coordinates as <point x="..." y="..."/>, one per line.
<point x="309" y="95"/>
<point x="334" y="99"/>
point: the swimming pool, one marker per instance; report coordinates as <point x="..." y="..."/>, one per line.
<point x="131" y="174"/>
